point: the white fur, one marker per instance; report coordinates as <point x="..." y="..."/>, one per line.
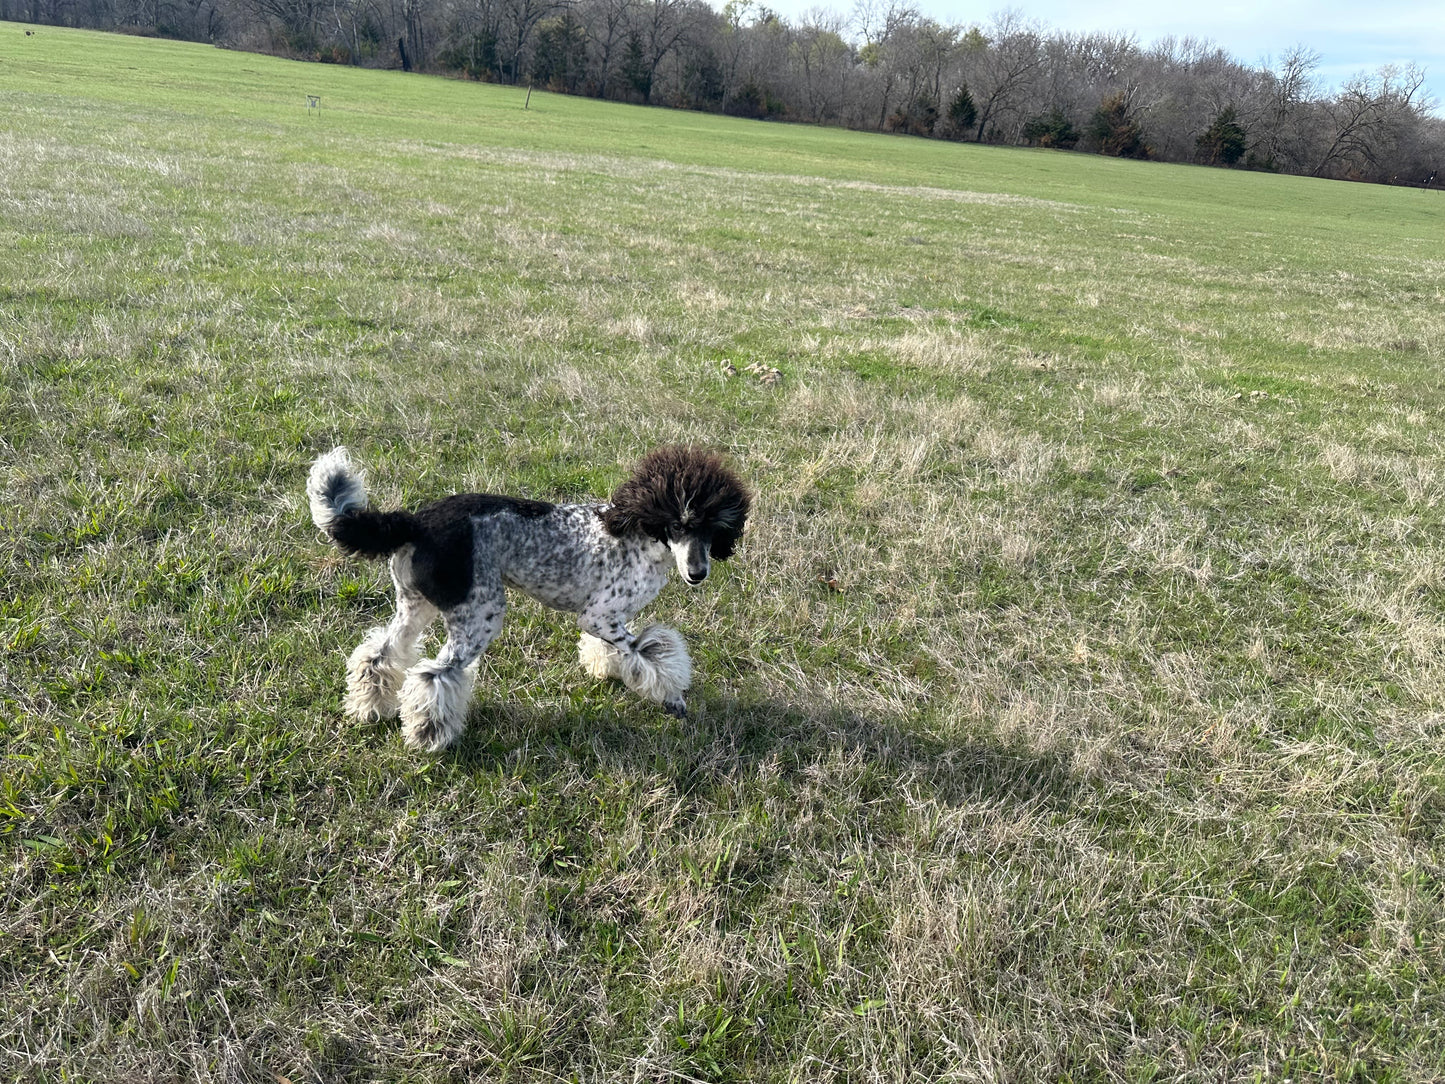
<point x="374" y="675"/>
<point x="659" y="667"/>
<point x="599" y="658"/>
<point x="679" y="555"/>
<point x="334" y="487"/>
<point x="434" y="701"/>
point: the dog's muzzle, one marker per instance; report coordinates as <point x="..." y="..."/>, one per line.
<point x="692" y="561"/>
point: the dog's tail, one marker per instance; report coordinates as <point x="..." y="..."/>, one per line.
<point x="337" y="491"/>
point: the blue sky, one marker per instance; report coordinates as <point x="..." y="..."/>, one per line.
<point x="1349" y="37"/>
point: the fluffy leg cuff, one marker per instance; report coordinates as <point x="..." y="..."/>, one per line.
<point x="599" y="658"/>
<point x="434" y="702"/>
<point x="374" y="674"/>
<point x="659" y="668"/>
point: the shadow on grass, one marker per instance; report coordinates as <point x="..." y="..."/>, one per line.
<point x="731" y="742"/>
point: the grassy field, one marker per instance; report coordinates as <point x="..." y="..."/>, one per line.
<point x="1115" y="750"/>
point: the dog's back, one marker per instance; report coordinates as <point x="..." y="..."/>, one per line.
<point x="560" y="555"/>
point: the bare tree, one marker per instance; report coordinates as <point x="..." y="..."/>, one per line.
<point x="357" y="25"/>
<point x="823" y="61"/>
<point x="1282" y="103"/>
<point x="659" y="25"/>
<point x="298" y="19"/>
<point x="737" y="15"/>
<point x="890" y="47"/>
<point x="607" y="22"/>
<point x="1002" y="66"/>
<point x="471" y="30"/>
<point x="1367" y="118"/>
<point x="925" y="49"/>
<point x="519" y="19"/>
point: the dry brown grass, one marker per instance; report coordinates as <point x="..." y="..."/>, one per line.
<point x="1073" y="709"/>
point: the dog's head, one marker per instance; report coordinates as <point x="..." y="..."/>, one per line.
<point x="686" y="498"/>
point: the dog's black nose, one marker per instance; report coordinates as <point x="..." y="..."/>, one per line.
<point x="695" y="577"/>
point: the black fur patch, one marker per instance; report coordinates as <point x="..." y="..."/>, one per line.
<point x="441" y="532"/>
<point x="373" y="534"/>
<point x="441" y="564"/>
<point x="335" y="484"/>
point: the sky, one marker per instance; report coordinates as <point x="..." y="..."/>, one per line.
<point x="1349" y="36"/>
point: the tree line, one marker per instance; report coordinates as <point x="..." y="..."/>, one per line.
<point x="884" y="67"/>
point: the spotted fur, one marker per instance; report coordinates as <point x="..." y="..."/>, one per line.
<point x="681" y="508"/>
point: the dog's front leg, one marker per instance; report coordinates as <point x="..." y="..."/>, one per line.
<point x="654" y="664"/>
<point x="611" y="628"/>
<point x="606" y="642"/>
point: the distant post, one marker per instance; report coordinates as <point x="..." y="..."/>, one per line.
<point x="313" y="101"/>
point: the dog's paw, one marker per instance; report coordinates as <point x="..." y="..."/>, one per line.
<point x="374" y="674"/>
<point x="429" y="734"/>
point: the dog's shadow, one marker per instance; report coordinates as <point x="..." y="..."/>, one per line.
<point x="730" y="741"/>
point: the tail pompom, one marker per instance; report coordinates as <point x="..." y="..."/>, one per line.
<point x="335" y="487"/>
<point x="337" y="491"/>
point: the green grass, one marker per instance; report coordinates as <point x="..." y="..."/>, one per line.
<point x="1117" y="755"/>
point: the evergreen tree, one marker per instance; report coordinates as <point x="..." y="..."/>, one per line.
<point x="560" y="60"/>
<point x="962" y="113"/>
<point x="1052" y="129"/>
<point x="635" y="68"/>
<point x="1224" y="141"/>
<point x="1115" y="131"/>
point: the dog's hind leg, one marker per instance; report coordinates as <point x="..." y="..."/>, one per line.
<point x="375" y="671"/>
<point x="436" y="692"/>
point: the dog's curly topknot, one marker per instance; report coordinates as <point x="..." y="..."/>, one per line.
<point x="679" y="483"/>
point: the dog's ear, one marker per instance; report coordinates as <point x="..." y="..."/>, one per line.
<point x="729" y="526"/>
<point x="616" y="520"/>
<point x="723" y="543"/>
<point x="634" y="507"/>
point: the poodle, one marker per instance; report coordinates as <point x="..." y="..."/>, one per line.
<point x="682" y="507"/>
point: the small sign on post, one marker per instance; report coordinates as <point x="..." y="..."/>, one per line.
<point x="313" y="101"/>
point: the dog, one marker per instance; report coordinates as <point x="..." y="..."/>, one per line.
<point x="683" y="507"/>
